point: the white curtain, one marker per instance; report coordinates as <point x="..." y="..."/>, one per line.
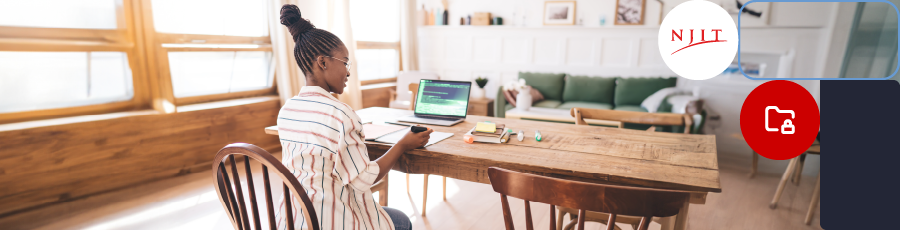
<point x="408" y="45"/>
<point x="333" y="16"/>
<point x="339" y="24"/>
<point x="288" y="76"/>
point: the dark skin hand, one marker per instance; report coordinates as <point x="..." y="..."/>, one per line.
<point x="332" y="75"/>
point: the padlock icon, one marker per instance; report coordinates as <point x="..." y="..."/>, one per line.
<point x="787" y="125"/>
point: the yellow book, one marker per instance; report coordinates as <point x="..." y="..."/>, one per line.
<point x="486" y="127"/>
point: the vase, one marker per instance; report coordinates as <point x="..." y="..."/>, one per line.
<point x="523" y="99"/>
<point x="478" y="93"/>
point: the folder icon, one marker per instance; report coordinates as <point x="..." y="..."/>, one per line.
<point x="778" y="111"/>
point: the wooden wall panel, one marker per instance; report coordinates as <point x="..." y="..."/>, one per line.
<point x="58" y="163"/>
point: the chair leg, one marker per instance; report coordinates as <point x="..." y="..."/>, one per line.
<point x="799" y="170"/>
<point x="559" y="220"/>
<point x="425" y="194"/>
<point x="383" y="194"/>
<point x="445" y="188"/>
<point x="753" y="166"/>
<point x="814" y="201"/>
<point x="783" y="182"/>
<point x="665" y="223"/>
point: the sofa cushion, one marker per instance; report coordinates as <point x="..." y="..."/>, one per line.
<point x="633" y="91"/>
<point x="589" y="89"/>
<point x="547" y="104"/>
<point x="549" y="84"/>
<point x="580" y="104"/>
<point x="630" y="108"/>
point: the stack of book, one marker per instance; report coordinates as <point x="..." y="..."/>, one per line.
<point x="488" y="133"/>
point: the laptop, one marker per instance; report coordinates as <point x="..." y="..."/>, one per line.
<point x="439" y="102"/>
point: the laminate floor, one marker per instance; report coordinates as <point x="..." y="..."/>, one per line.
<point x="189" y="202"/>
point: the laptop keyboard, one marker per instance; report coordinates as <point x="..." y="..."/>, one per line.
<point x="438" y="117"/>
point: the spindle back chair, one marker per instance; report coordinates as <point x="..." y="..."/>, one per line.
<point x="616" y="200"/>
<point x="232" y="196"/>
<point x="654" y="119"/>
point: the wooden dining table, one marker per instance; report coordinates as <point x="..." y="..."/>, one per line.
<point x="582" y="153"/>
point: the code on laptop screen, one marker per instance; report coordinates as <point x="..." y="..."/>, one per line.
<point x="443" y="98"/>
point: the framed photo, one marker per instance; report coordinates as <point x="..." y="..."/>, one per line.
<point x="559" y="13"/>
<point x="630" y="12"/>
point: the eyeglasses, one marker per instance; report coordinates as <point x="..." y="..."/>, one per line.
<point x="346" y="63"/>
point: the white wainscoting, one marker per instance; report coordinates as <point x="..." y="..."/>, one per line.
<point x="499" y="53"/>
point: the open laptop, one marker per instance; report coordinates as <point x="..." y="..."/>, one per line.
<point x="439" y="102"/>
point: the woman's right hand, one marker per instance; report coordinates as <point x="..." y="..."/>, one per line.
<point x="413" y="140"/>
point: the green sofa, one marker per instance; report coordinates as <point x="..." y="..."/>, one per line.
<point x="564" y="91"/>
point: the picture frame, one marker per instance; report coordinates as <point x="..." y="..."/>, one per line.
<point x="559" y="13"/>
<point x="630" y="12"/>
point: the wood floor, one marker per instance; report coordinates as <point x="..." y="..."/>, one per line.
<point x="189" y="202"/>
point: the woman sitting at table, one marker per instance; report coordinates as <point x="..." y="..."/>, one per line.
<point x="322" y="141"/>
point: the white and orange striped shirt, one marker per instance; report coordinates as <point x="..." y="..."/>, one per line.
<point x="323" y="146"/>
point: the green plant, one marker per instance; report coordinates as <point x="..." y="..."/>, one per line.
<point x="481" y="82"/>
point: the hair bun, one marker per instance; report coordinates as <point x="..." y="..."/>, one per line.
<point x="290" y="17"/>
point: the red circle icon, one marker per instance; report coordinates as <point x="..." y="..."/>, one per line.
<point x="780" y="120"/>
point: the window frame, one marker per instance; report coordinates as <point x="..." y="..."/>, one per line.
<point x="160" y="58"/>
<point x="362" y="45"/>
<point x="122" y="39"/>
<point x="135" y="36"/>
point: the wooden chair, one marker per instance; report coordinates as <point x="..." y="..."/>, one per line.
<point x="414" y="87"/>
<point x="617" y="200"/>
<point x="400" y="96"/>
<point x="232" y="197"/>
<point x="654" y="119"/>
<point x="793" y="171"/>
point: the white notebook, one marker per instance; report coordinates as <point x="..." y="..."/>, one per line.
<point x="394" y="137"/>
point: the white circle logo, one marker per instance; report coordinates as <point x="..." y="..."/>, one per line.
<point x="698" y="40"/>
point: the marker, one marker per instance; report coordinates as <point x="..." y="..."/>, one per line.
<point x="418" y="129"/>
<point x="537" y="135"/>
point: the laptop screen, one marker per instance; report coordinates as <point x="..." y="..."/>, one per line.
<point x="444" y="98"/>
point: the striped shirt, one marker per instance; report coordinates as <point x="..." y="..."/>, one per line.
<point x="323" y="146"/>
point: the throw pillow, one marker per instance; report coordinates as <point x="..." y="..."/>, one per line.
<point x="549" y="84"/>
<point x="589" y="89"/>
<point x="633" y="90"/>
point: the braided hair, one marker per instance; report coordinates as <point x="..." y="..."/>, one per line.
<point x="309" y="41"/>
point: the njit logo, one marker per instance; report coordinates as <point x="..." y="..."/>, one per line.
<point x="691" y="42"/>
<point x="697" y="40"/>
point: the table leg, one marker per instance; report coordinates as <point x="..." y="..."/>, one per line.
<point x="682" y="217"/>
<point x="753" y="166"/>
<point x="783" y="182"/>
<point x="814" y="201"/>
<point x="425" y="194"/>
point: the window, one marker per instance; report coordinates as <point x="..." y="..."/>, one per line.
<point x="872" y="44"/>
<point x="61" y="57"/>
<point x="212" y="50"/>
<point x="75" y="79"/>
<point x="376" y="28"/>
<point x="65" y="58"/>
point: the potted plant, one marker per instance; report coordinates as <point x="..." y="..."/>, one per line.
<point x="481" y="81"/>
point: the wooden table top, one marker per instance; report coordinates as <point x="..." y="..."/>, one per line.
<point x="586" y="153"/>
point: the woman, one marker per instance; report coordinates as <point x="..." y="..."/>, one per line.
<point x="323" y="143"/>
